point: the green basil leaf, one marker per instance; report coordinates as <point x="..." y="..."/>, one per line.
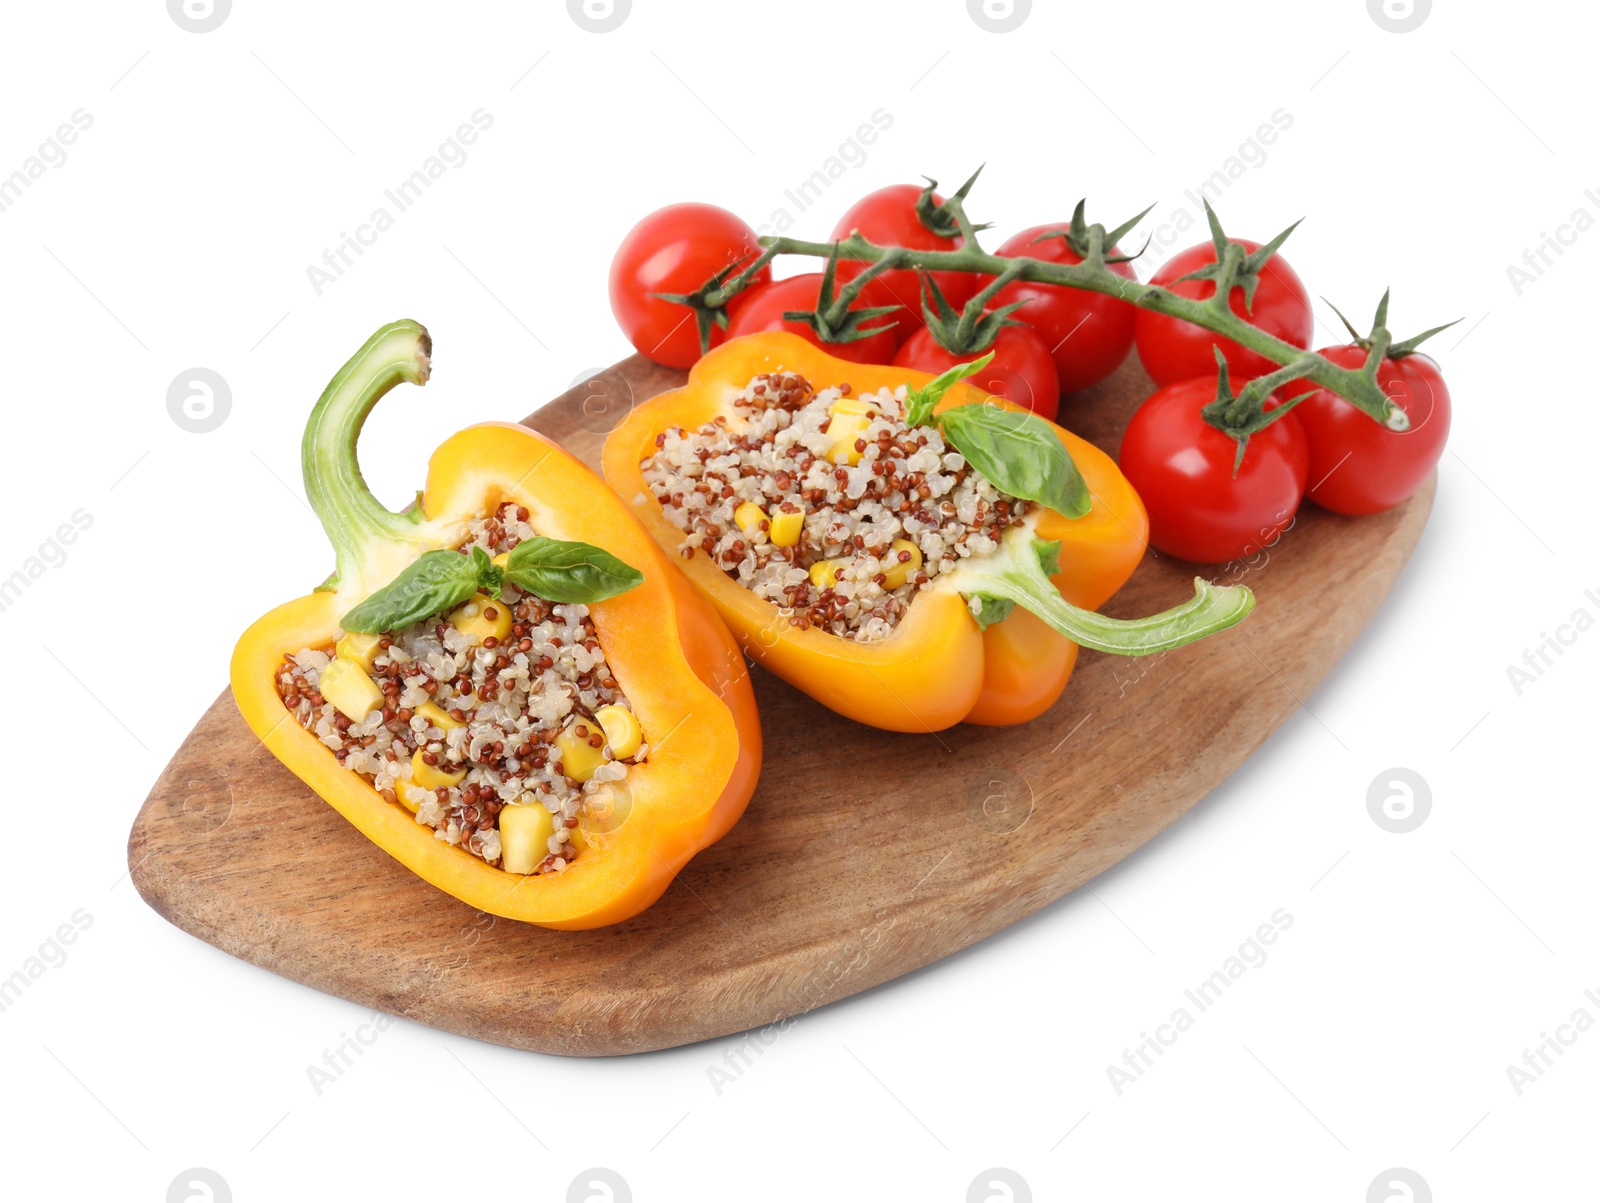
<point x="1019" y="453"/>
<point x="920" y="401"/>
<point x="490" y="574"/>
<point x="559" y="571"/>
<point x="438" y="581"/>
<point x="992" y="610"/>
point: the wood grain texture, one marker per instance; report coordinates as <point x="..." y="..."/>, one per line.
<point x="832" y="882"/>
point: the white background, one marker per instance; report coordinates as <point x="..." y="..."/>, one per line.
<point x="178" y="233"/>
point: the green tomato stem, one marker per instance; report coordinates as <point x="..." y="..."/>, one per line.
<point x="1358" y="386"/>
<point x="1014" y="574"/>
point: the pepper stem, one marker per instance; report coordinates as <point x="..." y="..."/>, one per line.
<point x="1016" y="573"/>
<point x="370" y="543"/>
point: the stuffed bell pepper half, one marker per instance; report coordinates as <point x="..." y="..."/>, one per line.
<point x="911" y="552"/>
<point x="507" y="687"/>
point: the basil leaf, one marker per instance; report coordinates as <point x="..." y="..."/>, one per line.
<point x="490" y="574"/>
<point x="560" y="571"/>
<point x="991" y="610"/>
<point x="920" y="401"/>
<point x="1019" y="453"/>
<point x="438" y="581"/>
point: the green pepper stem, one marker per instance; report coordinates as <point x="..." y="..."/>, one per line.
<point x="370" y="542"/>
<point x="1015" y="574"/>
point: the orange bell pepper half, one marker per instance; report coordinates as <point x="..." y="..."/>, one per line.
<point x="671" y="656"/>
<point x="939" y="666"/>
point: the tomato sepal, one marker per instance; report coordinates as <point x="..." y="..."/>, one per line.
<point x="1234" y="266"/>
<point x="940" y="218"/>
<point x="1397" y="350"/>
<point x="972" y="329"/>
<point x="706" y="315"/>
<point x="833" y="320"/>
<point x="1076" y="236"/>
<point x="1246" y="414"/>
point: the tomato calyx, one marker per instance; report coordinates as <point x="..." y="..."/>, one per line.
<point x="1242" y="415"/>
<point x="941" y="218"/>
<point x="708" y="303"/>
<point x="1235" y="267"/>
<point x="833" y="320"/>
<point x="973" y="328"/>
<point x="1078" y="236"/>
<point x="1378" y="346"/>
<point x="1380" y="321"/>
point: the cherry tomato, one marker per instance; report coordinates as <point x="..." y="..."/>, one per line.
<point x="675" y="249"/>
<point x="1089" y="333"/>
<point x="1182" y="468"/>
<point x="1359" y="466"/>
<point x="767" y="305"/>
<point x="1173" y="350"/>
<point x="888" y="217"/>
<point x="1021" y="371"/>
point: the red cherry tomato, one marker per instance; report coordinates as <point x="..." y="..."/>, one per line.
<point x="1359" y="466"/>
<point x="767" y="305"/>
<point x="1173" y="350"/>
<point x="1182" y="468"/>
<point x="1021" y="370"/>
<point x="675" y="249"/>
<point x="1089" y="333"/>
<point x="888" y="217"/>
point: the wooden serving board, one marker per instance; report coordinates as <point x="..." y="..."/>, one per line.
<point x="833" y="881"/>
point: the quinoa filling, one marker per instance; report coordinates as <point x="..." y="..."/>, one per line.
<point x="500" y="742"/>
<point x="825" y="503"/>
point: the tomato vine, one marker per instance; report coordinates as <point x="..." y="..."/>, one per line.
<point x="1234" y="268"/>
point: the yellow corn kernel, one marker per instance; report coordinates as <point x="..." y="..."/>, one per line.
<point x="845" y="430"/>
<point x="844" y="423"/>
<point x="524" y="836"/>
<point x="411" y="795"/>
<point x="844" y="453"/>
<point x="825" y="573"/>
<point x="472" y="620"/>
<point x="749" y="517"/>
<point x="438" y="716"/>
<point x="897" y="573"/>
<point x="580" y="758"/>
<point x="352" y="692"/>
<point x="501" y="560"/>
<point x="784" y="528"/>
<point x="430" y="776"/>
<point x="852" y="405"/>
<point x="358" y="647"/>
<point x="622" y="730"/>
<point x="605" y="812"/>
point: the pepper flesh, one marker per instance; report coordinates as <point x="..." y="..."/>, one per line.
<point x="670" y="654"/>
<point x="937" y="667"/>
